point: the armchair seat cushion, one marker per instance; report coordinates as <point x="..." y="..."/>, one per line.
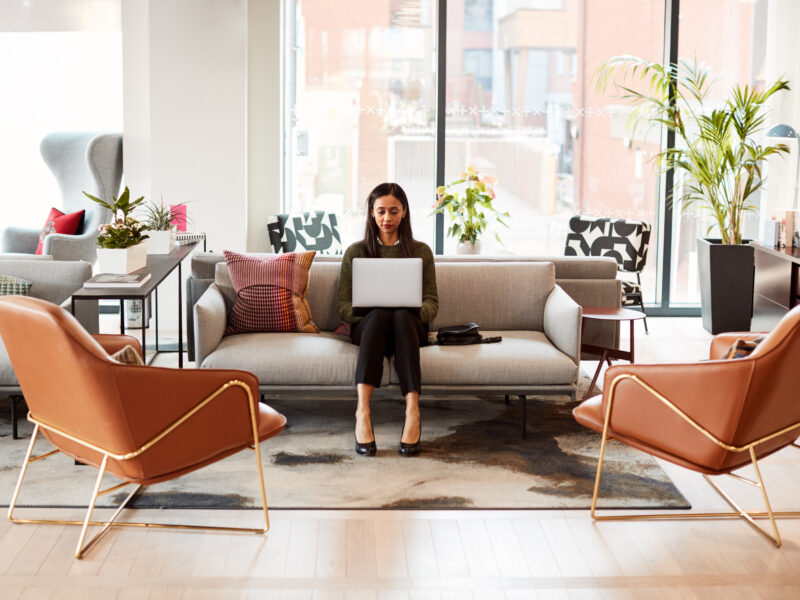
<point x="290" y="359"/>
<point x="522" y="357"/>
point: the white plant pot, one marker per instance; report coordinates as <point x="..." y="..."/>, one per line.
<point x="468" y="247"/>
<point x="122" y="260"/>
<point x="160" y="242"/>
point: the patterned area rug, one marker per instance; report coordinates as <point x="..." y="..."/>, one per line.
<point x="473" y="457"/>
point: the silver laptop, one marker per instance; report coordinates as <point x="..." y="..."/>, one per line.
<point x="387" y="282"/>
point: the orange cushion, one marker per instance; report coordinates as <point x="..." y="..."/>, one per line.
<point x="58" y="222"/>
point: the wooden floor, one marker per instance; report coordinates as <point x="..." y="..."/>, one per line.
<point x="431" y="554"/>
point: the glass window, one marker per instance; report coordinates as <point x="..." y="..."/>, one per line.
<point x="729" y="38"/>
<point x="557" y="146"/>
<point x="477" y="15"/>
<point x="360" y="88"/>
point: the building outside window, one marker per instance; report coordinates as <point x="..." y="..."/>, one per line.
<point x="521" y="104"/>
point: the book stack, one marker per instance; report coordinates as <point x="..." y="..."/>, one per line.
<point x="187" y="237"/>
<point x="114" y="280"/>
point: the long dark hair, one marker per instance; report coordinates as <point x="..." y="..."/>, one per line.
<point x="403" y="232"/>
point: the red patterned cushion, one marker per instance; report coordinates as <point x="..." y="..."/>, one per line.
<point x="270" y="293"/>
<point x="58" y="222"/>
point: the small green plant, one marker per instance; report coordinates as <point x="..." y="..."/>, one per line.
<point x="717" y="148"/>
<point x="159" y="217"/>
<point x="124" y="231"/>
<point x="466" y="211"/>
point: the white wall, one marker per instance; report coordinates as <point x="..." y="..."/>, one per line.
<point x="264" y="181"/>
<point x="195" y="130"/>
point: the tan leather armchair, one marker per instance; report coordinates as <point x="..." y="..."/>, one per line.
<point x="140" y="424"/>
<point x="711" y="417"/>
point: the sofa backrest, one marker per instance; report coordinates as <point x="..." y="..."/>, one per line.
<point x="497" y="296"/>
<point x="501" y="296"/>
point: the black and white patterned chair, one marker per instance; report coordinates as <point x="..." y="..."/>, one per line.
<point x="626" y="241"/>
<point x="306" y="231"/>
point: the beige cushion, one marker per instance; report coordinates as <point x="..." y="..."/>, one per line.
<point x="128" y="356"/>
<point x="290" y="358"/>
<point x="522" y="358"/>
<point x="500" y="296"/>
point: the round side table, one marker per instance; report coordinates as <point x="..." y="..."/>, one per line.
<point x="606" y="354"/>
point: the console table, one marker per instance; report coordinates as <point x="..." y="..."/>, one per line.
<point x="775" y="285"/>
<point x="159" y="266"/>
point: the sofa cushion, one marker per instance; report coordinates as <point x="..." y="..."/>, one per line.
<point x="321" y="294"/>
<point x="271" y="293"/>
<point x="291" y="359"/>
<point x="58" y="222"/>
<point x="522" y="358"/>
<point x="498" y="296"/>
<point x="14" y="286"/>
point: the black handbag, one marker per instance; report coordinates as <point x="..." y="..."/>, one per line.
<point x="460" y="335"/>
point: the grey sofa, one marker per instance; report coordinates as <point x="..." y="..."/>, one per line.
<point x="539" y="322"/>
<point x="589" y="281"/>
<point x="52" y="281"/>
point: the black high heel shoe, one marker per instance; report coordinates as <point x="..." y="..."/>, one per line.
<point x="368" y="449"/>
<point x="410" y="449"/>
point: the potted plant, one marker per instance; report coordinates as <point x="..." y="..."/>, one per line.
<point x="121" y="243"/>
<point x="468" y="219"/>
<point x="159" y="219"/>
<point x="718" y="154"/>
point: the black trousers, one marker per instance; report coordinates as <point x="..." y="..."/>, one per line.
<point x="386" y="332"/>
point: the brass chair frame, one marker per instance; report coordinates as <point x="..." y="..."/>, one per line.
<point x="81" y="548"/>
<point x="749" y="517"/>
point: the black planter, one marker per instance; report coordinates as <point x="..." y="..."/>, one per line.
<point x="726" y="285"/>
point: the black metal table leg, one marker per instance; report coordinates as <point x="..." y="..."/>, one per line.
<point x="180" y="319"/>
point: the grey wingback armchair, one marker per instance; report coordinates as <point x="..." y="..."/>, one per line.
<point x="80" y="161"/>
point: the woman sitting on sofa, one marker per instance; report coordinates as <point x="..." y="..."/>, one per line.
<point x="383" y="332"/>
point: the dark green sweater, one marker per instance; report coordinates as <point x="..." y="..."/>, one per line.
<point x="430" y="297"/>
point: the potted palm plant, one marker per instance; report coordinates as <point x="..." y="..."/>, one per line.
<point x="471" y="212"/>
<point x="121" y="243"/>
<point x="159" y="221"/>
<point x="721" y="159"/>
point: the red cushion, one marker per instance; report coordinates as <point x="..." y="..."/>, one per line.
<point x="270" y="293"/>
<point x="58" y="222"/>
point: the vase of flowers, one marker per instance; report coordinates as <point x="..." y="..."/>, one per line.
<point x="121" y="244"/>
<point x="468" y="202"/>
<point x="158" y="219"/>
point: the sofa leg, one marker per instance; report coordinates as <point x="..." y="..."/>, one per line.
<point x="572" y="395"/>
<point x="524" y="401"/>
<point x="508" y="399"/>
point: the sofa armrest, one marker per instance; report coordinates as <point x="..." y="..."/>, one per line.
<point x="71" y="247"/>
<point x="210" y="320"/>
<point x="562" y="323"/>
<point x="18" y="239"/>
<point x="194" y="289"/>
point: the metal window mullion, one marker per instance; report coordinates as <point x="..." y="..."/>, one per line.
<point x="671" y="22"/>
<point x="439" y="136"/>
